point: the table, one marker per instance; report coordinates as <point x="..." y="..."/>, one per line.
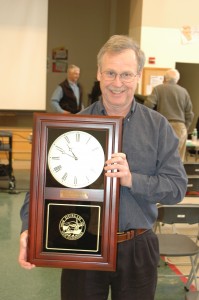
<point x="190" y="200"/>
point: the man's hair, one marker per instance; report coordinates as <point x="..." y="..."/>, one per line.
<point x="120" y="43"/>
<point x="172" y="75"/>
<point x="70" y="67"/>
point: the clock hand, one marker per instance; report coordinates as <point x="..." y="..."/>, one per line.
<point x="70" y="149"/>
<point x="69" y="155"/>
<point x="63" y="152"/>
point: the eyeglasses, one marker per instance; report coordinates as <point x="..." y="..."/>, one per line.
<point x="124" y="77"/>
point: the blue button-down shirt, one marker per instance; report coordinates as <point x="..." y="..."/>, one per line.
<point x="158" y="175"/>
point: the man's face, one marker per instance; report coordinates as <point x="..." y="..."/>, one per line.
<point x="73" y="74"/>
<point x="117" y="92"/>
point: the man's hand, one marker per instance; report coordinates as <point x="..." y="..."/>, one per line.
<point x="23" y="252"/>
<point x="67" y="112"/>
<point x="118" y="167"/>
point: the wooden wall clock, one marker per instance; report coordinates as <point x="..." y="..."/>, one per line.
<point x="73" y="206"/>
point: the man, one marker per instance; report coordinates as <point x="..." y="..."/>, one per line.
<point x="173" y="102"/>
<point x="150" y="172"/>
<point x="95" y="92"/>
<point x="67" y="97"/>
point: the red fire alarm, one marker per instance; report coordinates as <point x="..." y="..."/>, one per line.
<point x="151" y="60"/>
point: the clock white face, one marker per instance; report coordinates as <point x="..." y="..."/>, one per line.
<point x="76" y="159"/>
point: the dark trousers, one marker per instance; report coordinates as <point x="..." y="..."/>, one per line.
<point x="134" y="279"/>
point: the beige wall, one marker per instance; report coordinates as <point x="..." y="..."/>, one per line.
<point x="169" y="13"/>
<point x="135" y="23"/>
<point x="157" y="26"/>
<point x="161" y="35"/>
<point x="82" y="26"/>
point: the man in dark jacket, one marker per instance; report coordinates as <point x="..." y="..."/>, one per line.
<point x="67" y="97"/>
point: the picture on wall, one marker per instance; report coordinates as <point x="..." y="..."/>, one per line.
<point x="59" y="59"/>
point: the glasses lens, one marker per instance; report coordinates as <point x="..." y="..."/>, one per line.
<point x="127" y="77"/>
<point x="109" y="75"/>
<point x="124" y="77"/>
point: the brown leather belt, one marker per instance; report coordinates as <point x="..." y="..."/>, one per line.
<point x="128" y="235"/>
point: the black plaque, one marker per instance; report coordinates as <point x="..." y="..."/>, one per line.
<point x="73" y="228"/>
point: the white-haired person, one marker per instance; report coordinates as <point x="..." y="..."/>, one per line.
<point x="67" y="97"/>
<point x="174" y="103"/>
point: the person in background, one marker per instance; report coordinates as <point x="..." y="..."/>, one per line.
<point x="149" y="170"/>
<point x="197" y="127"/>
<point x="140" y="98"/>
<point x="67" y="97"/>
<point x="173" y="101"/>
<point x="95" y="92"/>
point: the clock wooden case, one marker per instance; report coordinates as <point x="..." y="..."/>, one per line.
<point x="73" y="217"/>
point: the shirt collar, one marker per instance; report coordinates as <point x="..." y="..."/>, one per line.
<point x="103" y="111"/>
<point x="72" y="83"/>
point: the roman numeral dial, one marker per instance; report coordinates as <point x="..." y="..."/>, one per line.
<point x="76" y="159"/>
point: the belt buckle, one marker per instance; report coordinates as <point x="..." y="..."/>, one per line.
<point x="120" y="233"/>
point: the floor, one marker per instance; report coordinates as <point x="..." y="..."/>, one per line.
<point x="40" y="283"/>
<point x="182" y="265"/>
<point x="17" y="283"/>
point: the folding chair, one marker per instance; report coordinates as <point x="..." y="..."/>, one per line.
<point x="180" y="245"/>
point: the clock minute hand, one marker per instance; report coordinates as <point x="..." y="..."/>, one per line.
<point x="70" y="149"/>
<point x="69" y="155"/>
<point x="63" y="152"/>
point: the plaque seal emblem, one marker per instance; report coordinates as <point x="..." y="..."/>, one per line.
<point x="72" y="226"/>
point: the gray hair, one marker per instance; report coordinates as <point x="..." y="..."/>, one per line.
<point x="71" y="66"/>
<point x="119" y="43"/>
<point x="172" y="75"/>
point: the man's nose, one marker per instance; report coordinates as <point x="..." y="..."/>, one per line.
<point x="117" y="80"/>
